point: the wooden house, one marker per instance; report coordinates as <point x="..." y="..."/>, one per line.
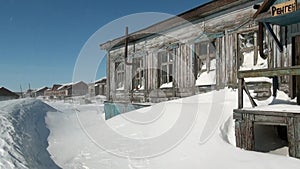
<point x="279" y="41"/>
<point x="244" y="44"/>
<point x="72" y="89"/>
<point x="52" y="93"/>
<point x="196" y="51"/>
<point x="40" y="91"/>
<point x="100" y="86"/>
<point x="6" y="94"/>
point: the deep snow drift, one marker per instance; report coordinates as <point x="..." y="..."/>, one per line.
<point x="23" y="135"/>
<point x="194" y="132"/>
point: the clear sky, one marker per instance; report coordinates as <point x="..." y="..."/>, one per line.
<point x="40" y="40"/>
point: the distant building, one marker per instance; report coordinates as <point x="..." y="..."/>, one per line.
<point x="29" y="93"/>
<point x="98" y="87"/>
<point x="73" y="89"/>
<point x="6" y="94"/>
<point x="91" y="89"/>
<point x="40" y="91"/>
<point x="67" y="90"/>
<point x="52" y="92"/>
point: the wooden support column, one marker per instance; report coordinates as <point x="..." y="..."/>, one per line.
<point x="248" y="134"/>
<point x="238" y="133"/>
<point x="297" y="136"/>
<point x="291" y="136"/>
<point x="240" y="93"/>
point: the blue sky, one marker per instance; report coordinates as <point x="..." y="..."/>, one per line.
<point x="41" y="40"/>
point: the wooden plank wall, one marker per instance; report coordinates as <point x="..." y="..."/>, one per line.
<point x="226" y="53"/>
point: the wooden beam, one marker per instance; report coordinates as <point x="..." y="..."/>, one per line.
<point x="270" y="30"/>
<point x="264" y="7"/>
<point x="293" y="70"/>
<point x="249" y="95"/>
<point x="265" y="112"/>
<point x="240" y="94"/>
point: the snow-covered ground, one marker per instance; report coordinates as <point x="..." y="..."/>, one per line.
<point x="23" y="135"/>
<point x="194" y="132"/>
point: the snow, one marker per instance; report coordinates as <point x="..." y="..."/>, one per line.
<point x="248" y="63"/>
<point x="23" y="139"/>
<point x="166" y="85"/>
<point x="120" y="88"/>
<point x="141" y="87"/>
<point x="102" y="78"/>
<point x="207" y="78"/>
<point x="281" y="103"/>
<point x="259" y="79"/>
<point x="98" y="147"/>
<point x="68" y="84"/>
<point x="41" y="88"/>
<point x="194" y="132"/>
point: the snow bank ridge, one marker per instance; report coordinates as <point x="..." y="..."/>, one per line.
<point x="23" y="135"/>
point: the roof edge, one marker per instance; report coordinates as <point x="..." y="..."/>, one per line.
<point x="190" y="15"/>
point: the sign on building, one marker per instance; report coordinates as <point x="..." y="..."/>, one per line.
<point x="284" y="8"/>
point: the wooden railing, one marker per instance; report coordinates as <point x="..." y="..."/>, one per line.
<point x="274" y="72"/>
<point x="293" y="70"/>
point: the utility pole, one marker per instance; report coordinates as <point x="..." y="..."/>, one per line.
<point x="29" y="90"/>
<point x="21" y="91"/>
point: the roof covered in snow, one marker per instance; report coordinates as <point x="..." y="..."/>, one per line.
<point x="68" y="85"/>
<point x="101" y="80"/>
<point x="41" y="89"/>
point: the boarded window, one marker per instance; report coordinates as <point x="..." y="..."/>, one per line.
<point x="138" y="72"/>
<point x="120" y="75"/>
<point x="249" y="57"/>
<point x="246" y="41"/>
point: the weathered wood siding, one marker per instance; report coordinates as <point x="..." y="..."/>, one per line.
<point x="246" y="119"/>
<point x="222" y="27"/>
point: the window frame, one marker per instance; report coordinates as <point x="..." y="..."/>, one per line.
<point x="167" y="73"/>
<point x="120" y="74"/>
<point x="138" y="69"/>
<point x="201" y="58"/>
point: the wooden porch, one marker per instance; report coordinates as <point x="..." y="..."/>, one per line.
<point x="247" y="118"/>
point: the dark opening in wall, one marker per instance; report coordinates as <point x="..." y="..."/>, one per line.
<point x="268" y="138"/>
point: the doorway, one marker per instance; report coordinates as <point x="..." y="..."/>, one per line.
<point x="295" y="82"/>
<point x="271" y="138"/>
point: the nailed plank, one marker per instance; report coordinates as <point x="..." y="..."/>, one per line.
<point x="293" y="70"/>
<point x="291" y="137"/>
<point x="240" y="94"/>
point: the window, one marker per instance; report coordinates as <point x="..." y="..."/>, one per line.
<point x="138" y="72"/>
<point x="205" y="52"/>
<point x="205" y="63"/>
<point x="120" y="75"/>
<point x="166" y="72"/>
<point x="249" y="57"/>
<point x="246" y="41"/>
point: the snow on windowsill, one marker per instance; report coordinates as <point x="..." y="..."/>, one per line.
<point x="120" y="88"/>
<point x="166" y="85"/>
<point x="139" y="88"/>
<point x="249" y="62"/>
<point x="206" y="78"/>
<point x="259" y="79"/>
